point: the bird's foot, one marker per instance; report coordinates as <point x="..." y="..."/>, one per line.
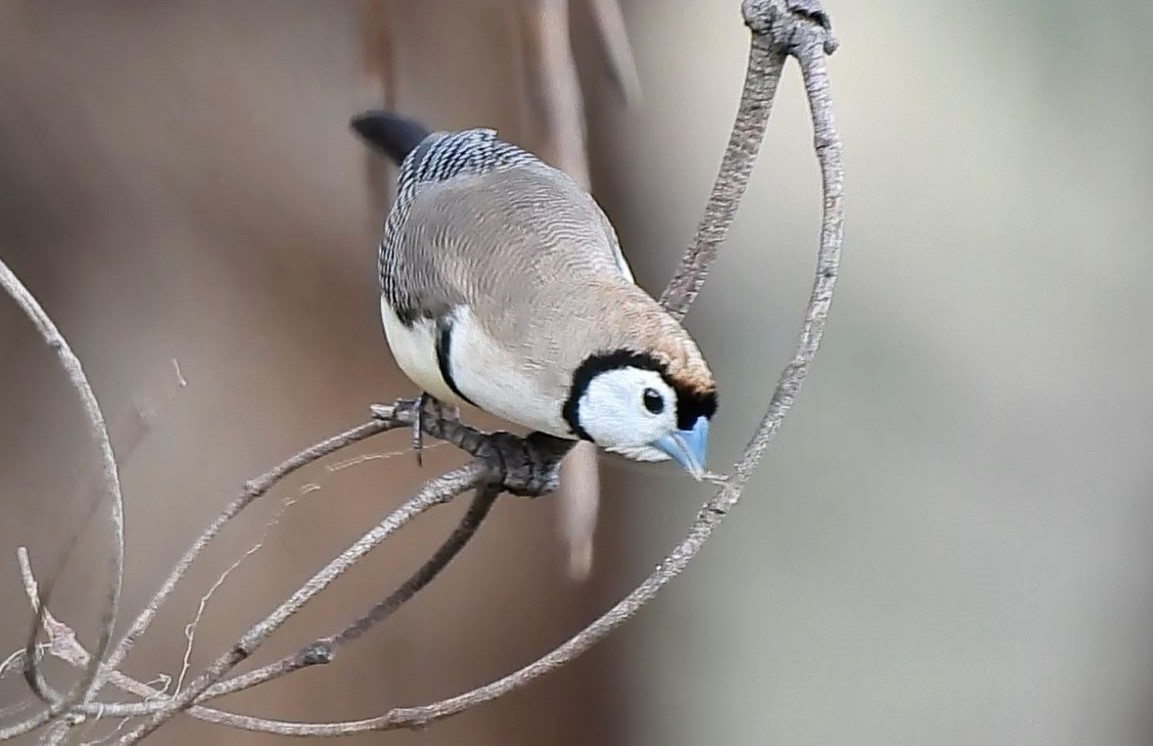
<point x="525" y="466"/>
<point x="528" y="466"/>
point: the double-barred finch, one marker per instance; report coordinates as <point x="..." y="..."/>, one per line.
<point x="503" y="286"/>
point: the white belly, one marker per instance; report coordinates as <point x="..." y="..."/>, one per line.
<point x="484" y="372"/>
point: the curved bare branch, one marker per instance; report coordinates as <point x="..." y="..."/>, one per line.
<point x="780" y="28"/>
<point x="111" y="496"/>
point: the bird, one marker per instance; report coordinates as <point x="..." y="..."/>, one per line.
<point x="503" y="286"/>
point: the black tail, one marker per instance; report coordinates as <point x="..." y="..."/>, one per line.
<point x="391" y="134"/>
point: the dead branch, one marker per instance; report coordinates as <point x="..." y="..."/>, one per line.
<point x="63" y="644"/>
<point x="780" y="28"/>
<point x="110" y="496"/>
<point x="248" y="494"/>
<point x="502" y="462"/>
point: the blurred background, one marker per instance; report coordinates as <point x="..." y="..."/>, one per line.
<point x="948" y="543"/>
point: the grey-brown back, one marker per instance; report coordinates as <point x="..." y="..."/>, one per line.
<point x="527" y="250"/>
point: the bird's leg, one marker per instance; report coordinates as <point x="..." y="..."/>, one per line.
<point x="418" y="426"/>
<point x="418" y="430"/>
<point x="429" y="406"/>
<point x="443" y="411"/>
<point x="527" y="466"/>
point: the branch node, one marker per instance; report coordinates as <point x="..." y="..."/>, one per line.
<point x="383" y="411"/>
<point x="716" y="510"/>
<point x="317" y="654"/>
<point x="242" y="649"/>
<point x="788" y="22"/>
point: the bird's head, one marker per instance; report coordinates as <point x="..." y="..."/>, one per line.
<point x="647" y="406"/>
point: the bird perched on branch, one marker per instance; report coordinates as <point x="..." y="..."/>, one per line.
<point x="503" y="286"/>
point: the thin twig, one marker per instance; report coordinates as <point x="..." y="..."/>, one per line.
<point x="111" y="495"/>
<point x="62" y="644"/>
<point x="202" y="605"/>
<point x="520" y="466"/>
<point x="435" y="492"/>
<point x="319" y="652"/>
<point x="762" y="75"/>
<point x="251" y="492"/>
<point x="324" y="650"/>
<point x="130" y="428"/>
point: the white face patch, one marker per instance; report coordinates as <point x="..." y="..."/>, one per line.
<point x="625" y="409"/>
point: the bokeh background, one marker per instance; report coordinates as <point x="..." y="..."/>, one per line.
<point x="948" y="543"/>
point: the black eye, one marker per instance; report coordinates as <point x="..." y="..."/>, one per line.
<point x="653" y="401"/>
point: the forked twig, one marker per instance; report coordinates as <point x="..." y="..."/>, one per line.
<point x="62" y="641"/>
<point x="324" y="650"/>
<point x="435" y="492"/>
<point x="780" y="28"/>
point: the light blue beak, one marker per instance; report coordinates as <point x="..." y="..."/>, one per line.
<point x="687" y="447"/>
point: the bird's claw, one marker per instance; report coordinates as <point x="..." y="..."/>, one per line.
<point x="526" y="466"/>
<point x="427" y="406"/>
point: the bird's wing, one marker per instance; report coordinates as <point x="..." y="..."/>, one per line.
<point x="615" y="246"/>
<point x="510" y="244"/>
<point x="422" y="235"/>
<point x="473" y="210"/>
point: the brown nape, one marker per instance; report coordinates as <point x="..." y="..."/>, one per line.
<point x="683" y="363"/>
<point x="633" y="329"/>
<point x="686" y="369"/>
